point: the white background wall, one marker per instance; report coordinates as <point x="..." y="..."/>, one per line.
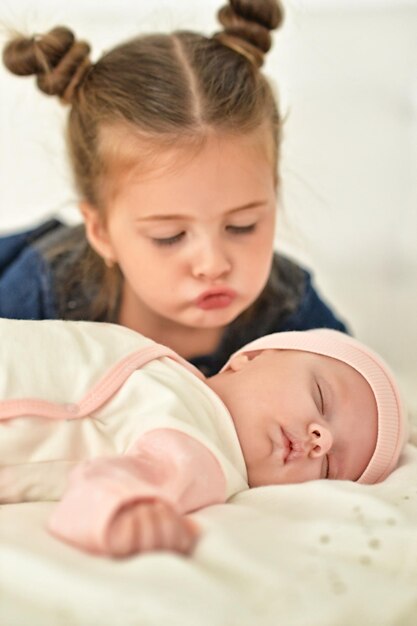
<point x="346" y="71"/>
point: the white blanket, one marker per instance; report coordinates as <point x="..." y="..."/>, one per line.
<point x="323" y="553"/>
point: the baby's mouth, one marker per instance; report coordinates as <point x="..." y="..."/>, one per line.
<point x="286" y="445"/>
<point x="294" y="446"/>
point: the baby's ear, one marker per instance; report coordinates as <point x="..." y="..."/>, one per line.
<point x="239" y="361"/>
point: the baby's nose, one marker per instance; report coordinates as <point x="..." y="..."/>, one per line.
<point x="320" y="440"/>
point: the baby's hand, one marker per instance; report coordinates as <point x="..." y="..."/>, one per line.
<point x="147" y="526"/>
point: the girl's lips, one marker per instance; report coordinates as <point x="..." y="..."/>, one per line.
<point x="215" y="299"/>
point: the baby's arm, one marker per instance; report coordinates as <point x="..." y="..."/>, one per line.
<point x="126" y="504"/>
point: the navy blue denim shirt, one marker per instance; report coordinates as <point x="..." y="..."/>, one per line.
<point x="28" y="291"/>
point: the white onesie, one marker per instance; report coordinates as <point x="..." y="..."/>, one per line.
<point x="126" y="418"/>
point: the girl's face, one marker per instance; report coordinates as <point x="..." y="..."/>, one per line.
<point x="193" y="238"/>
<point x="299" y="416"/>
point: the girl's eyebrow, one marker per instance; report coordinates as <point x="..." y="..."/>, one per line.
<point x="177" y="216"/>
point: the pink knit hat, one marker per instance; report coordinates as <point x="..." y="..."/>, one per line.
<point x="392" y="425"/>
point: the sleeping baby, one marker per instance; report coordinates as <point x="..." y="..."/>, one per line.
<point x="130" y="438"/>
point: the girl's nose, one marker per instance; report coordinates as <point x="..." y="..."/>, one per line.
<point x="210" y="261"/>
<point x="320" y="440"/>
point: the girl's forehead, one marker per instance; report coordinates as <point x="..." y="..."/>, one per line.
<point x="226" y="163"/>
<point x="127" y="143"/>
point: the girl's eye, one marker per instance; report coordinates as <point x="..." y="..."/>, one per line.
<point x="168" y="241"/>
<point x="241" y="230"/>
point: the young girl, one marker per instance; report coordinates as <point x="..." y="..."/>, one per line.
<point x="174" y="142"/>
<point x="146" y="438"/>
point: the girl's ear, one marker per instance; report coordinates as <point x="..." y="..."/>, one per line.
<point x="96" y="232"/>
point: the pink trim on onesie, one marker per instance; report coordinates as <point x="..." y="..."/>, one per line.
<point x="100" y="393"/>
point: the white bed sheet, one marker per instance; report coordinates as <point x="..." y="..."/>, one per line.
<point x="320" y="553"/>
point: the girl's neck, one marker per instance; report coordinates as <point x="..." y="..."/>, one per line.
<point x="186" y="341"/>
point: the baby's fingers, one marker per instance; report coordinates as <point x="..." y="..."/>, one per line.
<point x="150" y="526"/>
<point x="175" y="532"/>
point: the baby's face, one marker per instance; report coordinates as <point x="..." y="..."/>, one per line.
<point x="299" y="416"/>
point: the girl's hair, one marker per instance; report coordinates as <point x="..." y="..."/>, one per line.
<point x="155" y="91"/>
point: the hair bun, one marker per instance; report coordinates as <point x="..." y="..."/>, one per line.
<point x="247" y="25"/>
<point x="56" y="58"/>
